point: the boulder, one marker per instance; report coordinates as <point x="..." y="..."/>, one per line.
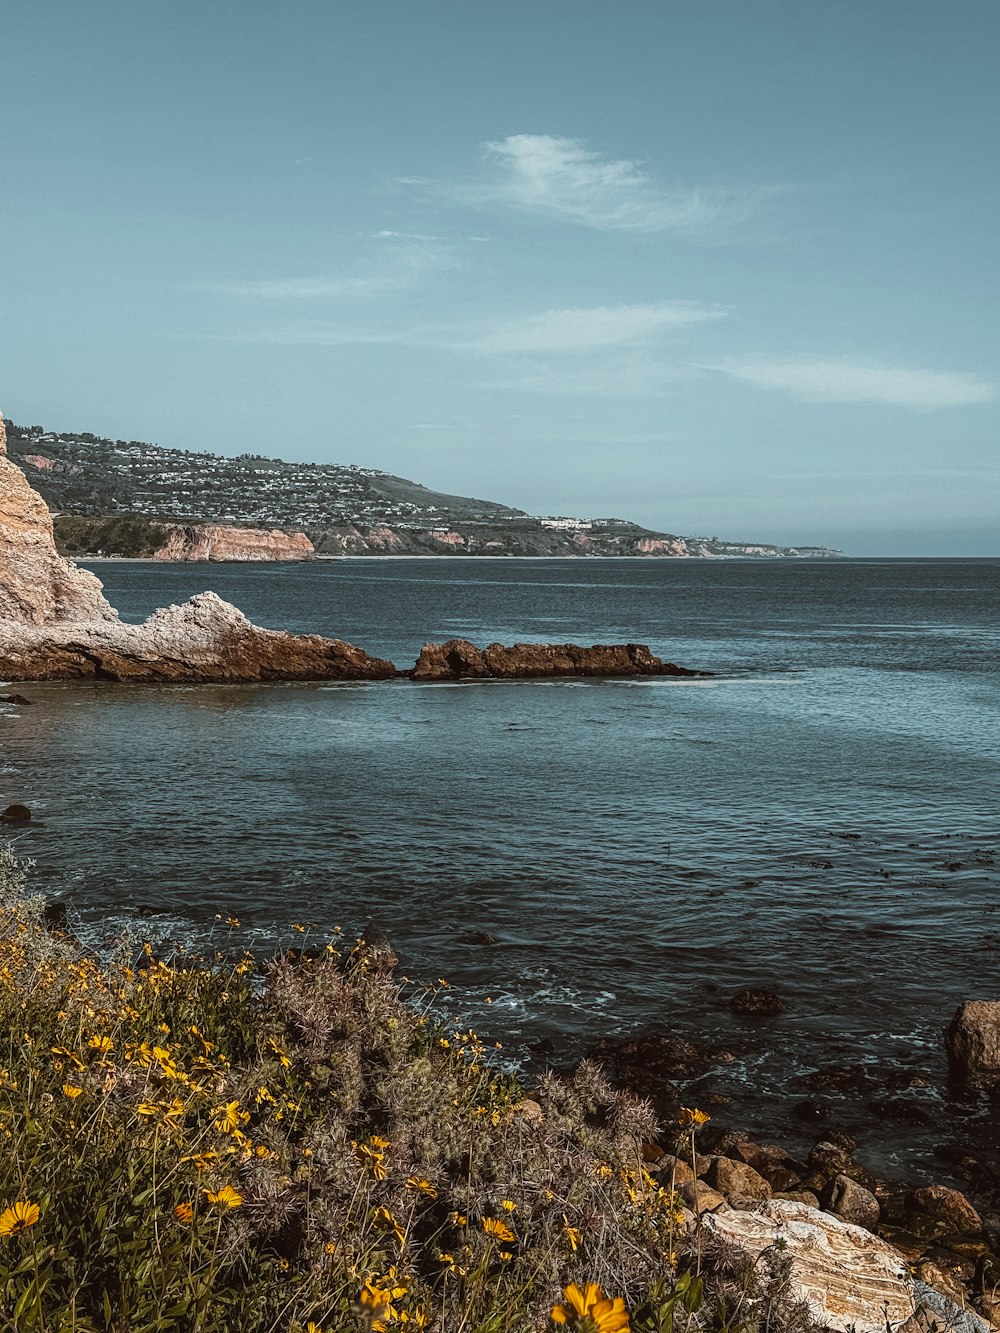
<point x="673" y="1172"/>
<point x="738" y="1182"/>
<point x="972" y="1041"/>
<point x="851" y="1202"/>
<point x="701" y="1198"/>
<point x="778" y="1167"/>
<point x="458" y="659"/>
<point x="16" y="814"/>
<point x="15" y="699"/>
<point x="848" y="1278"/>
<point x="947" y="1209"/>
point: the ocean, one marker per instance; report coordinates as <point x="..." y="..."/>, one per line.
<point x="819" y="817"/>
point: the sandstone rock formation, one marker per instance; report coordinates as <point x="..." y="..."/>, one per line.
<point x="215" y="541"/>
<point x="206" y="640"/>
<point x="972" y="1039"/>
<point x="848" y="1277"/>
<point x="458" y="659"/>
<point x="38" y="586"/>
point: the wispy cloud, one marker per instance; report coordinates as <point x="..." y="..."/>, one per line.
<point x="593" y="328"/>
<point x="843" y="381"/>
<point x="561" y="178"/>
<point x="402" y="263"/>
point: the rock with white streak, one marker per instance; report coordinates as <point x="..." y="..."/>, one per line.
<point x="848" y="1278"/>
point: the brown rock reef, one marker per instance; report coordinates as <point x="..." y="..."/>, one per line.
<point x="458" y="659"/>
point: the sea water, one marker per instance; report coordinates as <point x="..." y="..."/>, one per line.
<point x="818" y="817"/>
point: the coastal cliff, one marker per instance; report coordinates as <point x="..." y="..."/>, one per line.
<point x="55" y="623"/>
<point x="39" y="586"/>
<point x="216" y="541"/>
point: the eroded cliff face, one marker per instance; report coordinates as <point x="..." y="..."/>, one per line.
<point x="37" y="585"/>
<point x="216" y="541"/>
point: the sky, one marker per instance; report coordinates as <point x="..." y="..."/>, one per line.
<point x="723" y="268"/>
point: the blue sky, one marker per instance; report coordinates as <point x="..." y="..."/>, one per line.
<point x="723" y="268"/>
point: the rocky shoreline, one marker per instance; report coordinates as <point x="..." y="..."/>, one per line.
<point x="868" y="1241"/>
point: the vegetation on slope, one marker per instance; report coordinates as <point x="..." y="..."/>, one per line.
<point x="195" y="1144"/>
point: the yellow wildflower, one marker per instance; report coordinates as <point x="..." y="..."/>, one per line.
<point x="102" y="1044"/>
<point x="572" y="1235"/>
<point x="494" y="1227"/>
<point x="71" y="1090"/>
<point x="226" y="1196"/>
<point x="602" y="1313"/>
<point x="421" y="1186"/>
<point x="383" y="1217"/>
<point x="184" y="1212"/>
<point x="228" y="1118"/>
<point x="508" y="1205"/>
<point x="691" y="1118"/>
<point x="18" y="1217"/>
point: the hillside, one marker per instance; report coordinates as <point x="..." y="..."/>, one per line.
<point x="122" y="496"/>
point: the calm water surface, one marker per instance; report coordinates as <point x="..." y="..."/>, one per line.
<point x="819" y="818"/>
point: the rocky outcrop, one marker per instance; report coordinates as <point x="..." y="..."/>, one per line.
<point x="458" y="659"/>
<point x="214" y="541"/>
<point x="847" y="1277"/>
<point x="37" y="585"/>
<point x="972" y="1040"/>
<point x="206" y="640"/>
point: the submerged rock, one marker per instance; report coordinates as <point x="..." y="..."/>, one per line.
<point x="16" y="814"/>
<point x="758" y="1003"/>
<point x="458" y="659"/>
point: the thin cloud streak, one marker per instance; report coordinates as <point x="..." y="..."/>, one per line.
<point x="595" y="327"/>
<point x="397" y="267"/>
<point x="563" y="179"/>
<point x="842" y="381"/>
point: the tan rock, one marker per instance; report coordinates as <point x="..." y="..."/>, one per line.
<point x="37" y="585"/>
<point x="737" y="1181"/>
<point x="673" y="1171"/>
<point x="946" y="1208"/>
<point x="851" y="1202"/>
<point x="848" y="1277"/>
<point x="701" y="1198"/>
<point x="216" y="541"/>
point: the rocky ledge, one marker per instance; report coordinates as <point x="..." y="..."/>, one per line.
<point x="458" y="659"/>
